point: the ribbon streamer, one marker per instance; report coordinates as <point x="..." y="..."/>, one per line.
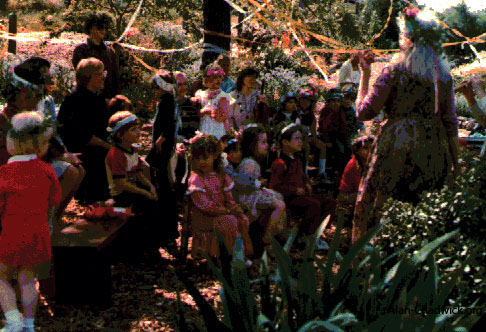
<point x="130" y="23"/>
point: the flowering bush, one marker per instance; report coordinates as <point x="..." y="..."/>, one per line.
<point x="280" y="81"/>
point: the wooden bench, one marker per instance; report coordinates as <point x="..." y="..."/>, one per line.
<point x="81" y="268"/>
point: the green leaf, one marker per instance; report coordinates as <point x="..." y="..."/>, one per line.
<point x="343" y="319"/>
<point x="316" y="326"/>
<point x="422" y="254"/>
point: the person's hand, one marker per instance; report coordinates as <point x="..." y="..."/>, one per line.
<point x="300" y="191"/>
<point x="158" y="143"/>
<point x="263" y="99"/>
<point x="308" y="188"/>
<point x="194" y="100"/>
<point x="152" y="194"/>
<point x="72" y="158"/>
<point x="235" y="209"/>
<point x="366" y="58"/>
<point x="263" y="182"/>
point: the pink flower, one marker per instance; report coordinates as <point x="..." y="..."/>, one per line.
<point x="411" y="12"/>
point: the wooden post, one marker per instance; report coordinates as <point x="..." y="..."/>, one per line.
<point x="12" y="29"/>
<point x="217" y="18"/>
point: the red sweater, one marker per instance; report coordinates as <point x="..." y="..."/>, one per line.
<point x="287" y="178"/>
<point x="351" y="177"/>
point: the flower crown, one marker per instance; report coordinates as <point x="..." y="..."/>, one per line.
<point x="215" y="71"/>
<point x="30" y="131"/>
<point x="421" y="26"/>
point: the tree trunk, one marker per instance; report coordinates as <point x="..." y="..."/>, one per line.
<point x="3" y="4"/>
<point x="217" y="18"/>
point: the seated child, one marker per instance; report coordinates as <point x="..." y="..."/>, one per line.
<point x="127" y="183"/>
<point x="232" y="157"/>
<point x="213" y="207"/>
<point x="28" y="189"/>
<point x="251" y="193"/>
<point x="214" y="103"/>
<point x="348" y="189"/>
<point x="288" y="178"/>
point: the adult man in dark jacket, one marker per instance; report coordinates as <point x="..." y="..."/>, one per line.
<point x="83" y="118"/>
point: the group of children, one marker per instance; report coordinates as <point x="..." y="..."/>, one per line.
<point x="228" y="186"/>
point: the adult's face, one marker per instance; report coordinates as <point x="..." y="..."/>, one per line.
<point x="97" y="34"/>
<point x="97" y="80"/>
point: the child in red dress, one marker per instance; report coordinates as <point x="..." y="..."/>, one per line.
<point x="28" y="189"/>
<point x="213" y="207"/>
<point x="288" y="177"/>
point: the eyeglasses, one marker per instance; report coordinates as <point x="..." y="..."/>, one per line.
<point x="103" y="73"/>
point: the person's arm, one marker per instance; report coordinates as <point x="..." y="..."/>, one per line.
<point x="278" y="179"/>
<point x="123" y="185"/>
<point x="145" y="182"/>
<point x="370" y="101"/>
<point x="469" y="90"/>
<point x="78" y="55"/>
<point x="95" y="141"/>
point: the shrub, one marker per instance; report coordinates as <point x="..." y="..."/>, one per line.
<point x="461" y="207"/>
<point x="280" y="81"/>
<point x="306" y="295"/>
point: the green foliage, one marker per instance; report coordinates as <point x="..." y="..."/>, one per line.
<point x="461" y="207"/>
<point x="469" y="24"/>
<point x="307" y="295"/>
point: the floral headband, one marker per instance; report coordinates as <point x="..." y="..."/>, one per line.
<point x="421" y="26"/>
<point x="31" y="131"/>
<point x="215" y="72"/>
<point x="197" y="137"/>
<point x="122" y="123"/>
<point x="18" y="81"/>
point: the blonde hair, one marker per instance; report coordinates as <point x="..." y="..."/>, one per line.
<point x="29" y="132"/>
<point x="85" y="69"/>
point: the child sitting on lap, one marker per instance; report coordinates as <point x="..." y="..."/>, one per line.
<point x="28" y="188"/>
<point x="214" y="208"/>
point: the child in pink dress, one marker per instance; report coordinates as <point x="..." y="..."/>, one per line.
<point x="213" y="207"/>
<point x="28" y="189"/>
<point x="214" y="103"/>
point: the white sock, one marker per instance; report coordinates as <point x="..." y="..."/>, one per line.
<point x="322" y="166"/>
<point x="14" y="321"/>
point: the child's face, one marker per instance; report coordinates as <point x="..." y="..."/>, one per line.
<point x="235" y="156"/>
<point x="364" y="152"/>
<point x="295" y="142"/>
<point x="304" y="103"/>
<point x="213" y="82"/>
<point x="204" y="163"/>
<point x="261" y="148"/>
<point x="290" y="106"/>
<point x="131" y="135"/>
<point x="249" y="81"/>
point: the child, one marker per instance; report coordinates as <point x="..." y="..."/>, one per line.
<point x="227" y="85"/>
<point x="28" y="189"/>
<point x="348" y="189"/>
<point x="332" y="130"/>
<point x="213" y="206"/>
<point x="232" y="157"/>
<point x="124" y="168"/>
<point x="253" y="196"/>
<point x="214" y="102"/>
<point x="288" y="178"/>
<point x="288" y="112"/>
